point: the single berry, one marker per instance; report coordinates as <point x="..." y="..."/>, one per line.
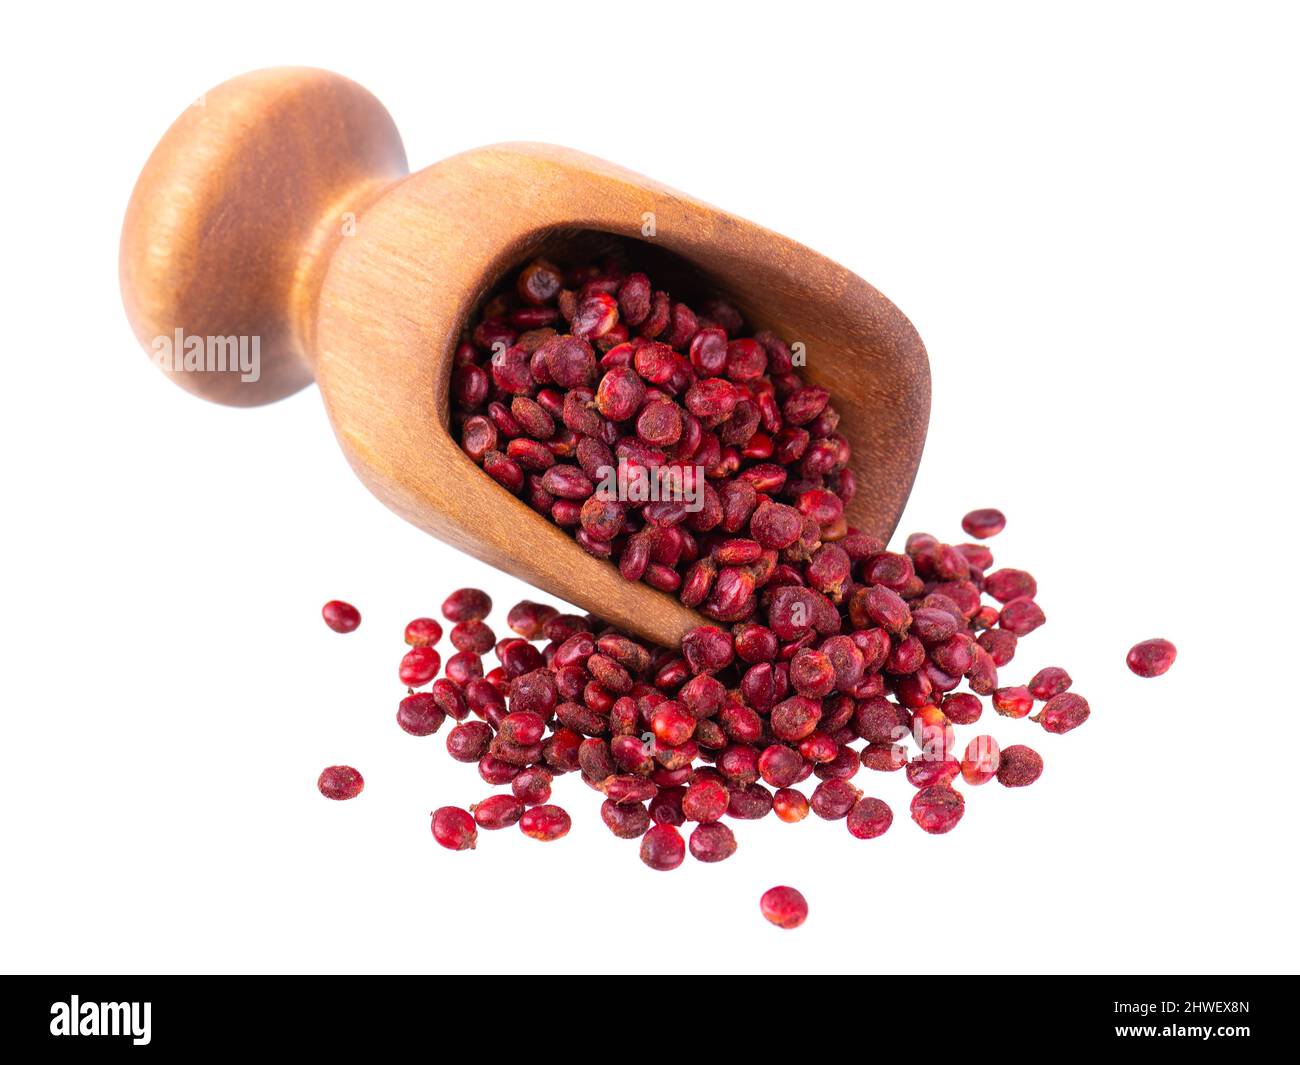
<point x="420" y="714"/>
<point x="979" y="764"/>
<point x="454" y="828"/>
<point x="1064" y="713"/>
<point x="340" y="782"/>
<point x="1150" y="658"/>
<point x="982" y="524"/>
<point x="712" y="842"/>
<point x="340" y="616"/>
<point x="662" y="848"/>
<point x="938" y="808"/>
<point x="497" y="811"/>
<point x="419" y="666"/>
<point x="545" y="822"/>
<point x="784" y="907"/>
<point x="869" y="818"/>
<point x="1019" y="766"/>
<point x="789" y="805"/>
<point x="1048" y="682"/>
<point x="467" y="604"/>
<point x="423" y="632"/>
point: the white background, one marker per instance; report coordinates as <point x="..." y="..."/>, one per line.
<point x="1090" y="217"/>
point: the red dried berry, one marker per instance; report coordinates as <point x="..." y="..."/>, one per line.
<point x="1064" y="713"/>
<point x="569" y="360"/>
<point x="418" y="666"/>
<point x="341" y="616"/>
<point x="497" y="771"/>
<point x="532" y="786"/>
<point x="784" y="907"/>
<point x="420" y="714"/>
<point x="1151" y="658"/>
<point x="1021" y="616"/>
<point x="1048" y="682"/>
<point x="497" y="811"/>
<point x="749" y="803"/>
<point x="789" y="805"/>
<point x="962" y="708"/>
<point x="979" y="763"/>
<point x="545" y="823"/>
<point x="938" y="808"/>
<point x="1000" y="646"/>
<point x="596" y="315"/>
<point x="469" y="741"/>
<point x="933" y="731"/>
<point x="671" y="723"/>
<point x="619" y="394"/>
<point x="340" y="782"/>
<point x="705" y="801"/>
<point x="780" y="766"/>
<point x="1013" y="702"/>
<point x="707" y="649"/>
<point x="982" y="524"/>
<point x="625" y="820"/>
<point x="811" y="673"/>
<point x="833" y="799"/>
<point x="1019" y="766"/>
<point x="423" y="632"/>
<point x="467" y="604"/>
<point x="883" y="757"/>
<point x="527" y="618"/>
<point x="539" y="282"/>
<point x="869" y="818"/>
<point x="923" y="772"/>
<point x="712" y="842"/>
<point x="1008" y="584"/>
<point x="473" y="636"/>
<point x="454" y="828"/>
<point x="662" y="848"/>
<point x="795" y="718"/>
<point x="666" y="807"/>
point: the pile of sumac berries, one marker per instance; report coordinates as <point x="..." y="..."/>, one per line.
<point x="787" y="712"/>
<point x="670" y="442"/>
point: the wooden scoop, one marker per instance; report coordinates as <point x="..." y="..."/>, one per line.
<point x="278" y="209"/>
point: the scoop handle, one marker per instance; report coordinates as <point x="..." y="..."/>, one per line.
<point x="234" y="219"/>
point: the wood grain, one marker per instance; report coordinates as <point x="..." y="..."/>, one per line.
<point x="376" y="315"/>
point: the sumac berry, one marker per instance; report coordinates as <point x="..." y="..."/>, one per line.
<point x="938" y="808"/>
<point x="545" y="822"/>
<point x="418" y="666"/>
<point x="982" y="524"/>
<point x="1064" y="713"/>
<point x="712" y="842"/>
<point x="979" y="763"/>
<point x="627" y="820"/>
<point x="869" y="818"/>
<point x="341" y="616"/>
<point x="497" y="811"/>
<point x="340" y="782"/>
<point x="1151" y="658"/>
<point x="784" y="907"/>
<point x="454" y="828"/>
<point x="423" y="632"/>
<point x="467" y="604"/>
<point x="662" y="848"/>
<point x="1048" y="682"/>
<point x="420" y="714"/>
<point x="790" y="805"/>
<point x="1019" y="766"/>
